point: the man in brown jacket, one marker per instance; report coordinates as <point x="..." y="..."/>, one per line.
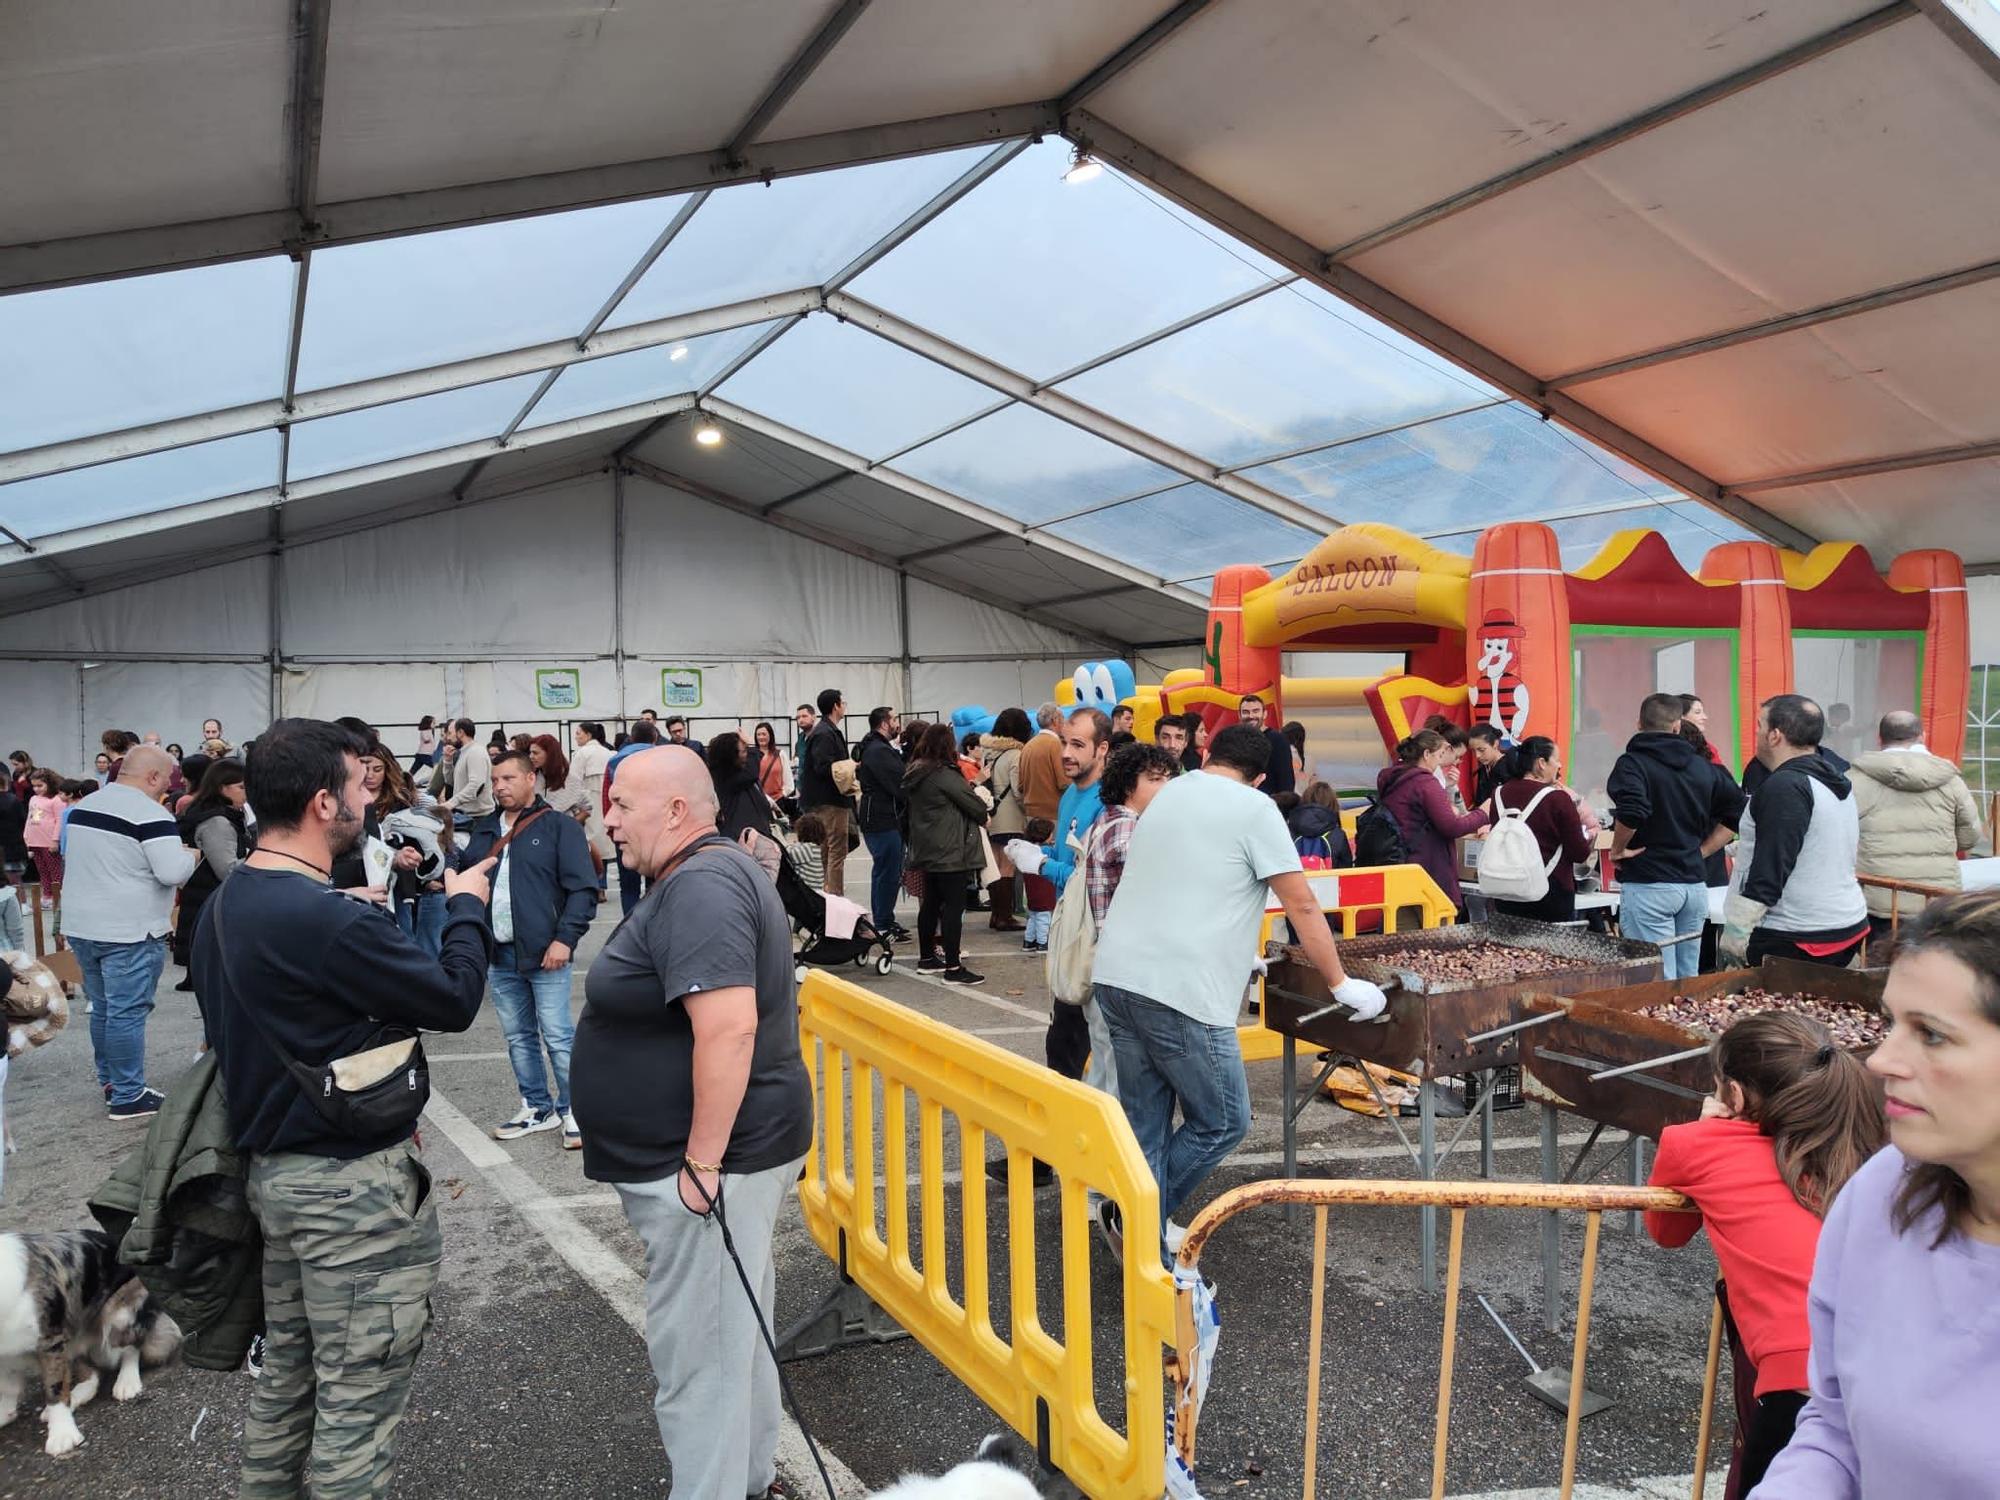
<point x="1917" y="817"/>
<point x="1041" y="774"/>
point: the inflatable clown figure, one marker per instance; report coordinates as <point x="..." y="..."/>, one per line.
<point x="1496" y="691"/>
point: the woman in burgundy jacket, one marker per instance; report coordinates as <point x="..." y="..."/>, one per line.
<point x="1411" y="792"/>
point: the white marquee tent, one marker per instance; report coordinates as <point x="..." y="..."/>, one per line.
<point x="360" y="353"/>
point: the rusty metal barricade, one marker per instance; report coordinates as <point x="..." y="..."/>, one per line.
<point x="1458" y="1197"/>
<point x="1039" y="1380"/>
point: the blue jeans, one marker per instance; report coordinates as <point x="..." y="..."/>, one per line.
<point x="1659" y="913"/>
<point x="1166" y="1058"/>
<point x="885" y="878"/>
<point x="423" y="919"/>
<point x="119" y="980"/>
<point x="534" y="1013"/>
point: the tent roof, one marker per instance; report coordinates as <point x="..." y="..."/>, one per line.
<point x="290" y="265"/>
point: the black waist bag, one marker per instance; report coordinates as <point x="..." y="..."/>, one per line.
<point x="378" y="1091"/>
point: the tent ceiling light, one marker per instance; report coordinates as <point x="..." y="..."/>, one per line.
<point x="707" y="433"/>
<point x="678" y="352"/>
<point x="1082" y="167"/>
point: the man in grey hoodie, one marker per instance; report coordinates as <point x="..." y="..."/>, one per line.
<point x="1917" y="817"/>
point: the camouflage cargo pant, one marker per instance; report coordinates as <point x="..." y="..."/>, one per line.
<point x="351" y="1252"/>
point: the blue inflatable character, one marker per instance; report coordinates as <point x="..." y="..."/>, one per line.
<point x="1101" y="685"/>
<point x="972" y="719"/>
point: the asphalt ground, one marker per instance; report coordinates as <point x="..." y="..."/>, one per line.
<point x="535" y="1381"/>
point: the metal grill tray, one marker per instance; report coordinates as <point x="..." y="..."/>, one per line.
<point x="1427" y="1032"/>
<point x="1602" y="1030"/>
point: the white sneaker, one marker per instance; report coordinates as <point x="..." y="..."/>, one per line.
<point x="572" y="1133"/>
<point x="1175" y="1234"/>
<point x="527" y="1121"/>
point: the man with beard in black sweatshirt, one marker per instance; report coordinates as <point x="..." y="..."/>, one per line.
<point x="1672" y="812"/>
<point x="1794" y="894"/>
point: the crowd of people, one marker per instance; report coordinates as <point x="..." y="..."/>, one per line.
<point x="330" y="904"/>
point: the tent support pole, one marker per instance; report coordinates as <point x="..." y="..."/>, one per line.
<point x="903" y="625"/>
<point x="618" y="582"/>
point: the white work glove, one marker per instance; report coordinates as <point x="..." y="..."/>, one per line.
<point x="1366" y="1000"/>
<point x="1261" y="967"/>
<point x="1740" y="915"/>
<point x="1027" y="858"/>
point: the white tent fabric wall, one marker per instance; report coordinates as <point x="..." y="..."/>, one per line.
<point x="41" y="712"/>
<point x="216" y="611"/>
<point x="174" y="697"/>
<point x="703" y="579"/>
<point x="943" y="623"/>
<point x="530" y="573"/>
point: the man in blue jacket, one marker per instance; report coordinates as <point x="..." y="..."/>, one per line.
<point x="1086" y="742"/>
<point x="544" y="895"/>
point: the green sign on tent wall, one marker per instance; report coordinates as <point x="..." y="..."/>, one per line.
<point x="680" y="687"/>
<point x="559" y="688"/>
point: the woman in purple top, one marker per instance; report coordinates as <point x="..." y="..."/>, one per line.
<point x="1905" y="1304"/>
<point x="1411" y="791"/>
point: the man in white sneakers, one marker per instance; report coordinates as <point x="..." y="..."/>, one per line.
<point x="544" y="896"/>
<point x="124" y="861"/>
<point x="1177" y="947"/>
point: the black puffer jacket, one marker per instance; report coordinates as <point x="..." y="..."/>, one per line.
<point x="879" y="770"/>
<point x="1310" y="824"/>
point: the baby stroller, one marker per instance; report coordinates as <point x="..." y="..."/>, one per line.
<point x="807" y="909"/>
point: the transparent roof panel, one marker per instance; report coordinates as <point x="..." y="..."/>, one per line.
<point x="752" y="239"/>
<point x="1497" y="464"/>
<point x="115" y="354"/>
<point x="328" y="445"/>
<point x="1042" y="274"/>
<point x="641" y="375"/>
<point x="845" y="385"/>
<point x="138" y="486"/>
<point x="429" y="299"/>
<point x="1186" y="530"/>
<point x="1033" y="467"/>
<point x="1276" y="374"/>
<point x="1689" y="527"/>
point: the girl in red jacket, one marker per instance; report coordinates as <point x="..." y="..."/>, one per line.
<point x="1791" y="1119"/>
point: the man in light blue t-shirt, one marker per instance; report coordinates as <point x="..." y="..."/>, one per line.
<point x="1176" y="953"/>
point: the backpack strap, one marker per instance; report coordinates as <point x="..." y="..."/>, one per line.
<point x="1527" y="812"/>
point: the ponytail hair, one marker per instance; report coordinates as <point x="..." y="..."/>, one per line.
<point x="1418" y="745"/>
<point x="1522" y="758"/>
<point x="1816" y="1102"/>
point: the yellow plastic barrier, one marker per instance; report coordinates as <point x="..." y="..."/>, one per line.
<point x="1593" y="1201"/>
<point x="1039" y="1380"/>
<point x="1387" y="889"/>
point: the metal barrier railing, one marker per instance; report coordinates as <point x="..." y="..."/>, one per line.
<point x="1040" y="1381"/>
<point x="1906" y="888"/>
<point x="1459" y="1197"/>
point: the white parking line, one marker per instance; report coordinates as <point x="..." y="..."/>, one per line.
<point x="619" y="1285"/>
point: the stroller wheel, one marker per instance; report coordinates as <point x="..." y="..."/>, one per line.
<point x="885" y="964"/>
<point x="800" y="973"/>
<point x="861" y="960"/>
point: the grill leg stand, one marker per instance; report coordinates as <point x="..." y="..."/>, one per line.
<point x="1486" y="1125"/>
<point x="1641" y="1162"/>
<point x="1551" y="1228"/>
<point x="1427" y="1169"/>
<point x="1290" y="1064"/>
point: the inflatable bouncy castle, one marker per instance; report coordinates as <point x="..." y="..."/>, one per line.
<point x="1508" y="637"/>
